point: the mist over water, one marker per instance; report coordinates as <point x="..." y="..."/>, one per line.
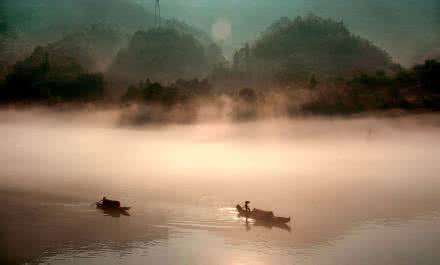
<point x="58" y="149"/>
<point x="344" y="181"/>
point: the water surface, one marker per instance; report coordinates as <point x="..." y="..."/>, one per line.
<point x="359" y="190"/>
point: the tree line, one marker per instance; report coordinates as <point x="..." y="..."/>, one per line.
<point x="178" y="63"/>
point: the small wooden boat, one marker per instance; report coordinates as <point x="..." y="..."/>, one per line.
<point x="101" y="206"/>
<point x="262" y="216"/>
<point x="111" y="206"/>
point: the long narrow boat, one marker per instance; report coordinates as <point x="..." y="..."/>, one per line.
<point x="263" y="216"/>
<point x="101" y="206"/>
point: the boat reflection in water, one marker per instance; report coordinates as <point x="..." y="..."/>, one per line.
<point x="268" y="225"/>
<point x="114" y="212"/>
<point x="272" y="225"/>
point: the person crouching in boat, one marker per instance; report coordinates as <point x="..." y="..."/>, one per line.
<point x="110" y="203"/>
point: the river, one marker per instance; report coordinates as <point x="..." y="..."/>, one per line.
<point x="359" y="190"/>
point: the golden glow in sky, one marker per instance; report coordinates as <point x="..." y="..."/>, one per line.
<point x="221" y="30"/>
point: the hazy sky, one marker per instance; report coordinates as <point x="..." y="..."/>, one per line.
<point x="406" y="28"/>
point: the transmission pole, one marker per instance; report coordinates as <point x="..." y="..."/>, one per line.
<point x="157" y="14"/>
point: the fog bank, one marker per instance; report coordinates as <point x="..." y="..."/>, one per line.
<point x="87" y="154"/>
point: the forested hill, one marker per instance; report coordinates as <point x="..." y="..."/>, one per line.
<point x="299" y="48"/>
<point x="93" y="47"/>
<point x="90" y="32"/>
<point x="160" y="54"/>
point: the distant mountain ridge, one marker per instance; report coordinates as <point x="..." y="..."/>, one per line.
<point x="91" y="31"/>
<point x="405" y="28"/>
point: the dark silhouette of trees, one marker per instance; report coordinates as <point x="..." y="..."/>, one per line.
<point x="376" y="80"/>
<point x="3" y="28"/>
<point x="417" y="87"/>
<point x="93" y="46"/>
<point x="297" y="48"/>
<point x="427" y="78"/>
<point x="48" y="77"/>
<point x="293" y="51"/>
<point x="6" y="35"/>
<point x="213" y="52"/>
<point x="184" y="28"/>
<point x="247" y="95"/>
<point x="162" y="54"/>
<point x="158" y="103"/>
<point x="428" y="75"/>
<point x="242" y="59"/>
<point x="181" y="91"/>
<point x="246" y="105"/>
<point x="226" y="78"/>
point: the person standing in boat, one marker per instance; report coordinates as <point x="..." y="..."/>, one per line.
<point x="246" y="206"/>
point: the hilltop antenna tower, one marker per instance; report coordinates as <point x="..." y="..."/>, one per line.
<point x="157" y="13"/>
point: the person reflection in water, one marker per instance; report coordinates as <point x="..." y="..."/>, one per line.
<point x="248" y="226"/>
<point x="248" y="210"/>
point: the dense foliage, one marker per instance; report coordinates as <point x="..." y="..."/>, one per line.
<point x="418" y="87"/>
<point x="48" y="77"/>
<point x="291" y="50"/>
<point x="157" y="103"/>
<point x="163" y="54"/>
<point x="93" y="47"/>
<point x="180" y="91"/>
